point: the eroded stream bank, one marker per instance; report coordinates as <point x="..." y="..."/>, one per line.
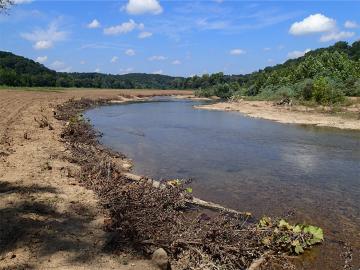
<point x="248" y="164"/>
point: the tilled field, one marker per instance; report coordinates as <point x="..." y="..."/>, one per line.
<point x="48" y="221"/>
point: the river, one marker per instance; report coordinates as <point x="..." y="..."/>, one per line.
<point x="260" y="166"/>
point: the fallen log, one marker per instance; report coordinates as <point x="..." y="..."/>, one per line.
<point x="194" y="201"/>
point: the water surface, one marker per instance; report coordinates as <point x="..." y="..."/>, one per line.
<point x="254" y="165"/>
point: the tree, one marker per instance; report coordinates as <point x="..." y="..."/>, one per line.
<point x="5" y="5"/>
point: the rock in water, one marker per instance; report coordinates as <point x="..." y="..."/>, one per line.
<point x="160" y="259"/>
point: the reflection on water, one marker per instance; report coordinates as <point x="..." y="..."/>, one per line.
<point x="249" y="164"/>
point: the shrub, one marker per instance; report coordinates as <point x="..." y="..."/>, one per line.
<point x="222" y="90"/>
<point x="304" y="90"/>
<point x="204" y="92"/>
<point x="270" y="92"/>
<point x="325" y="92"/>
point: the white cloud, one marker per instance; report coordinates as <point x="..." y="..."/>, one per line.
<point x="57" y="64"/>
<point x="123" y="28"/>
<point x="157" y="58"/>
<point x="130" y="52"/>
<point x="143" y="6"/>
<point x="237" y="52"/>
<point x="41" y="59"/>
<point x="160" y="71"/>
<point x="82" y="62"/>
<point x="213" y="25"/>
<point x="126" y="70"/>
<point x="94" y="24"/>
<point x="297" y="54"/>
<point x="336" y="36"/>
<point x="143" y="35"/>
<point x="316" y="23"/>
<point x="97" y="70"/>
<point x="114" y="59"/>
<point x="45" y="39"/>
<point x="176" y="62"/>
<point x="43" y="44"/>
<point x="267" y="49"/>
<point x="18" y="2"/>
<point x="351" y="24"/>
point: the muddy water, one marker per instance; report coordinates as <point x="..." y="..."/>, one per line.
<point x="249" y="164"/>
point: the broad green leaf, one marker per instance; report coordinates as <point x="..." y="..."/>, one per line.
<point x="265" y="222"/>
<point x="297" y="229"/>
<point x="316" y="232"/>
<point x="284" y="224"/>
<point x="298" y="249"/>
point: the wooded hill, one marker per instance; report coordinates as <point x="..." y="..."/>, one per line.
<point x="20" y="71"/>
<point x="336" y="68"/>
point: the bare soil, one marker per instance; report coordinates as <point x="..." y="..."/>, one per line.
<point x="343" y="118"/>
<point x="47" y="220"/>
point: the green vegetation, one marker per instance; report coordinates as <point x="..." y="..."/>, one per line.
<point x="324" y="76"/>
<point x="19" y="71"/>
<point x="290" y="238"/>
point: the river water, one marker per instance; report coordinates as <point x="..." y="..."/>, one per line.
<point x="254" y="165"/>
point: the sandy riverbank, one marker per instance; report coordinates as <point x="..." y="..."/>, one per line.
<point x="291" y="115"/>
<point x="47" y="220"/>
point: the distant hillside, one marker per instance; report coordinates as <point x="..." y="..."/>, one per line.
<point x="338" y="65"/>
<point x="20" y="71"/>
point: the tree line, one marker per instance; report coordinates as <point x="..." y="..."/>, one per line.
<point x="19" y="71"/>
<point x="324" y="75"/>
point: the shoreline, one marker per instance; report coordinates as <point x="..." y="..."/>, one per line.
<point x="300" y="115"/>
<point x="82" y="181"/>
<point x="47" y="219"/>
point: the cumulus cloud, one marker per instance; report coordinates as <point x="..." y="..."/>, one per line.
<point x="114" y="59"/>
<point x="237" y="52"/>
<point x="316" y="23"/>
<point x="176" y="62"/>
<point x="143" y="35"/>
<point x="97" y="70"/>
<point x="123" y="28"/>
<point x="336" y="36"/>
<point x="43" y="44"/>
<point x="94" y="24"/>
<point x="297" y="54"/>
<point x="45" y="38"/>
<point x="143" y="6"/>
<point x="130" y="52"/>
<point x="351" y="24"/>
<point x="157" y="58"/>
<point x="41" y="59"/>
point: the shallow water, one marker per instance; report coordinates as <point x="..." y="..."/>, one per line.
<point x="254" y="165"/>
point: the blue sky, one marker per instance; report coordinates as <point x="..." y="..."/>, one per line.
<point x="174" y="37"/>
